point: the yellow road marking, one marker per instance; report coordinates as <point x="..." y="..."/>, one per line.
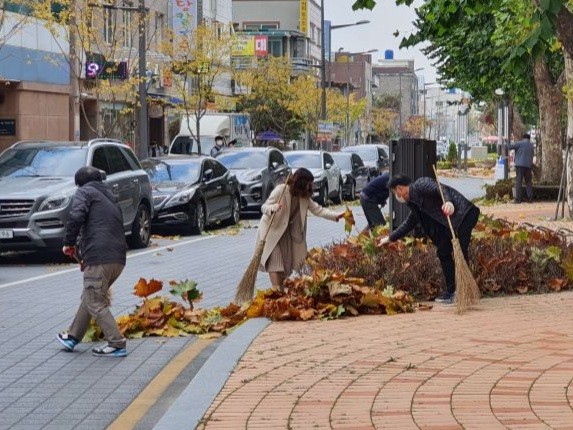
<point x="142" y="403"/>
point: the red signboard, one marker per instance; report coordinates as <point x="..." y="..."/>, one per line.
<point x="261" y="46"/>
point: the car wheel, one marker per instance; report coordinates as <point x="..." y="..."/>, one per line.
<point x="323" y="195"/>
<point x="140" y="229"/>
<point x="235" y="212"/>
<point x="338" y="198"/>
<point x="352" y="194"/>
<point x="198" y="220"/>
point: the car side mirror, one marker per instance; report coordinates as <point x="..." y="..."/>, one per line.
<point x="274" y="165"/>
<point x="355" y="166"/>
<point x="103" y="175"/>
<point x="207" y="175"/>
<point x="328" y="165"/>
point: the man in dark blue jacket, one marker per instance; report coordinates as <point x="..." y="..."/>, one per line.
<point x="373" y="197"/>
<point x="426" y="206"/>
<point x="97" y="216"/>
<point x="524" y="152"/>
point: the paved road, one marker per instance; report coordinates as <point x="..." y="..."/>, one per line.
<point x="42" y="386"/>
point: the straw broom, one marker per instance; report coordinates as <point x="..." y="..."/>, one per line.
<point x="467" y="290"/>
<point x="246" y="287"/>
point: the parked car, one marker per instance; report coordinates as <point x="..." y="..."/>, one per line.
<point x="259" y="171"/>
<point x="374" y="156"/>
<point x="327" y="176"/>
<point x="192" y="192"/>
<point x="37" y="185"/>
<point x="355" y="174"/>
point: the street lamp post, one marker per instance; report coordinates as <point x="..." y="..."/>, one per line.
<point x="347" y="122"/>
<point x="323" y="55"/>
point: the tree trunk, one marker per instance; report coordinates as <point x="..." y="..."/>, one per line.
<point x="550" y="99"/>
<point x="569" y="185"/>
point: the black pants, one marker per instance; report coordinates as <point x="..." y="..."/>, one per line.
<point x="372" y="211"/>
<point x="442" y="238"/>
<point x="523" y="173"/>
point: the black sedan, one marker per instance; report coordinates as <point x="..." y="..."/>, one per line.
<point x="355" y="174"/>
<point x="259" y="171"/>
<point x="192" y="192"/>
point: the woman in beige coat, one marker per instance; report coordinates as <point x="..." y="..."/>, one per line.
<point x="285" y="247"/>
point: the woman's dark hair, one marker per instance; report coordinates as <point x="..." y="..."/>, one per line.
<point x="398" y="180"/>
<point x="300" y="183"/>
<point x="87" y="174"/>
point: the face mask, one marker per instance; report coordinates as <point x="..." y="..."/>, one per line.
<point x="400" y="199"/>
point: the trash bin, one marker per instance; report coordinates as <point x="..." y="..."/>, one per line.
<point x="414" y="158"/>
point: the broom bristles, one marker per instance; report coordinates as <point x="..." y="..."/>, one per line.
<point x="467" y="289"/>
<point x="246" y="287"/>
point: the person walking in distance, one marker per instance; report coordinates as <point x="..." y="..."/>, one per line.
<point x="374" y="197"/>
<point x="426" y="206"/>
<point x="285" y="247"/>
<point x="102" y="246"/>
<point x="524" y="152"/>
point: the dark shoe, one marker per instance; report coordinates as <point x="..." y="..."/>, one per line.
<point x="517" y="202"/>
<point x="67" y="340"/>
<point x="109" y="351"/>
<point x="450" y="301"/>
<point x="444" y="297"/>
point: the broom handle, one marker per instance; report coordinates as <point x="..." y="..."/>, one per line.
<point x="274" y="213"/>
<point x="444" y="200"/>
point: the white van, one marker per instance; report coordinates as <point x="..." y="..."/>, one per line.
<point x="231" y="126"/>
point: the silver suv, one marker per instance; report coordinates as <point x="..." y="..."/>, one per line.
<point x="37" y="185"/>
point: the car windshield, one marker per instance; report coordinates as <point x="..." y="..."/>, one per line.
<point x="309" y="161"/>
<point x="367" y="153"/>
<point x="160" y="171"/>
<point x="45" y="161"/>
<point x="188" y="145"/>
<point x="343" y="161"/>
<point x="244" y="160"/>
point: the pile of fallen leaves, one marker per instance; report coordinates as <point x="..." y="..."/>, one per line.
<point x="504" y="259"/>
<point x="323" y="295"/>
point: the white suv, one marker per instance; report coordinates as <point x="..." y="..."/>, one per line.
<point x="37" y="185"/>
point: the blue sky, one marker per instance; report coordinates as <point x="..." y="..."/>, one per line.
<point x="385" y="19"/>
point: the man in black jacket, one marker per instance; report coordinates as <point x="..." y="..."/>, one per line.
<point x="427" y="208"/>
<point x="97" y="216"/>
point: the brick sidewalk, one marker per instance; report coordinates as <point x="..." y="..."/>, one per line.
<point x="508" y="364"/>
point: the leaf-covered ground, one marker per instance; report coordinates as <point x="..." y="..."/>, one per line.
<point x="357" y="276"/>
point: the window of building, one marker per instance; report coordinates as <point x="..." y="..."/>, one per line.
<point x="108" y="25"/>
<point x="159" y="28"/>
<point x="312" y="30"/>
<point x="126" y="23"/>
<point x="276" y="48"/>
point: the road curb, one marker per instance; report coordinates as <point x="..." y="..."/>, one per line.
<point x="194" y="401"/>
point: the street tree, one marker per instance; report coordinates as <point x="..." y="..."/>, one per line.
<point x="265" y="93"/>
<point x="200" y="59"/>
<point x="384" y="123"/>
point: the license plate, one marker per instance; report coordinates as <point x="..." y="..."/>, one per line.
<point x="6" y="234"/>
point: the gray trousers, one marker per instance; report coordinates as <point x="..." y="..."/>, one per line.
<point x="372" y="211"/>
<point x="95" y="303"/>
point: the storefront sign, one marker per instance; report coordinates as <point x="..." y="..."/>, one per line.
<point x="7" y="127"/>
<point x="244" y="46"/>
<point x="303" y="24"/>
<point x="261" y="46"/>
<point x="106" y="70"/>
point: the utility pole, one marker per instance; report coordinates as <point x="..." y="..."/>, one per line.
<point x="142" y="149"/>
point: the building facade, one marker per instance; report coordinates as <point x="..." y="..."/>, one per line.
<point x="34" y="80"/>
<point x="397" y="78"/>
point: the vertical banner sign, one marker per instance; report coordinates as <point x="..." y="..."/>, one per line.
<point x="327" y="47"/>
<point x="303" y="25"/>
<point x="261" y="46"/>
<point x="184" y="16"/>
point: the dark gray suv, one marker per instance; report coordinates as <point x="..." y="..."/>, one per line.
<point x="37" y="186"/>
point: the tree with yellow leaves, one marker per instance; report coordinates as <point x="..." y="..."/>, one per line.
<point x="384" y="123"/>
<point x="199" y="59"/>
<point x="99" y="43"/>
